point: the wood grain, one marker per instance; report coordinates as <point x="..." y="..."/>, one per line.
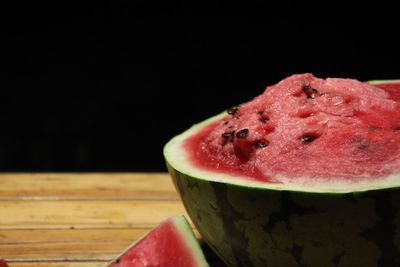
<point x="157" y="186"/>
<point x="72" y="244"/>
<point x="86" y="213"/>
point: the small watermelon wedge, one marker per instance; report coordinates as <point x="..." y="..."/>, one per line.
<point x="171" y="244"/>
<point x="3" y="263"/>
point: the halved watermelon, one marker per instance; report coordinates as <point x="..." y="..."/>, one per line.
<point x="171" y="244"/>
<point x="306" y="174"/>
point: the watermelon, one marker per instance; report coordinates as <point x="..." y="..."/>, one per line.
<point x="305" y="174"/>
<point x="171" y="244"/>
<point x="3" y="263"/>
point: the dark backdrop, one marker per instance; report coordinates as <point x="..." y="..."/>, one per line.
<point x="103" y="86"/>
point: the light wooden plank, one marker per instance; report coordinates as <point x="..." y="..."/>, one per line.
<point x="57" y="264"/>
<point x="72" y="244"/>
<point x="86" y="214"/>
<point x="86" y="186"/>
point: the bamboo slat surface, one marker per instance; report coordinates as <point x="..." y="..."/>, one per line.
<point x="71" y="220"/>
<point x="58" y="264"/>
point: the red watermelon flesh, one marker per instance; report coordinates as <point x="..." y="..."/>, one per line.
<point x="170" y="244"/>
<point x="392" y="88"/>
<point x="3" y="263"/>
<point x="306" y="127"/>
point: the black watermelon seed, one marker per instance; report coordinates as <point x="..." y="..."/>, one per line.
<point x="396" y="129"/>
<point x="262" y="143"/>
<point x="225" y="135"/>
<point x="242" y="133"/>
<point x="308" y="138"/>
<point x="309" y="91"/>
<point x="262" y="118"/>
<point x="228" y="135"/>
<point x="232" y="111"/>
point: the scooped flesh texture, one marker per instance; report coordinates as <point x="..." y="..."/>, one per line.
<point x="306" y="127"/>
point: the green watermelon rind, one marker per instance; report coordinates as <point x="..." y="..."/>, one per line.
<point x="250" y="226"/>
<point x="186" y="233"/>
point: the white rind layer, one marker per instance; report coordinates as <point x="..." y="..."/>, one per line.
<point x="188" y="236"/>
<point x="384" y="81"/>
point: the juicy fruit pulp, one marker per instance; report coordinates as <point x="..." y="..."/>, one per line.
<point x="171" y="244"/>
<point x="391" y="87"/>
<point x="305" y="129"/>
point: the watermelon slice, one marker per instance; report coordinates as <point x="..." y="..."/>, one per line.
<point x="3" y="263"/>
<point x="306" y="174"/>
<point x="170" y="244"/>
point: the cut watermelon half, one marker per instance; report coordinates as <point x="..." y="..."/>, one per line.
<point x="171" y="244"/>
<point x="306" y="174"/>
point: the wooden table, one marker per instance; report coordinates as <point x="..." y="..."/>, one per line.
<point x="79" y="219"/>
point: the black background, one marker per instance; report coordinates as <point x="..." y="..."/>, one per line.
<point x="103" y="86"/>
